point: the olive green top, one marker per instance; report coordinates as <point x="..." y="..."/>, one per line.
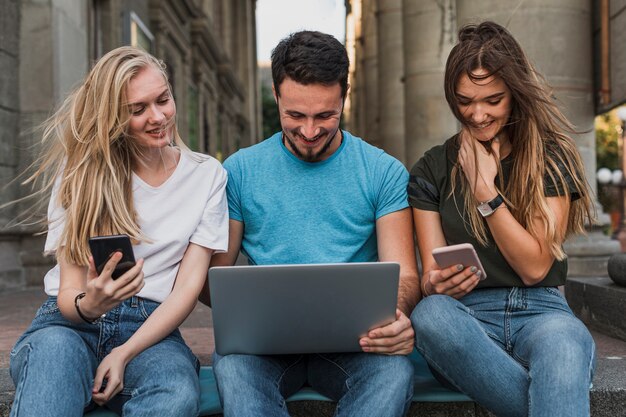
<point x="429" y="189"/>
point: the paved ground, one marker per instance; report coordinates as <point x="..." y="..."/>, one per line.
<point x="17" y="309"/>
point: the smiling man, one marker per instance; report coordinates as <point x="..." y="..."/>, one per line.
<point x="313" y="193"/>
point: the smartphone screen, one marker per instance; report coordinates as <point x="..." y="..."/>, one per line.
<point x="463" y="253"/>
<point x="103" y="247"/>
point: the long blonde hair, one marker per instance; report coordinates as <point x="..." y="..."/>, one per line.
<point x="541" y="150"/>
<point x="87" y="147"/>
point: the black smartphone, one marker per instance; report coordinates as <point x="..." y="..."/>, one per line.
<point x="103" y="247"/>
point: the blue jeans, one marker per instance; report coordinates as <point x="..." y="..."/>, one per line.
<point x="516" y="351"/>
<point x="54" y="362"/>
<point x="364" y="385"/>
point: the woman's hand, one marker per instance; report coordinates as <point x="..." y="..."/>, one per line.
<point x="111" y="370"/>
<point x="103" y="292"/>
<point x="479" y="165"/>
<point x="455" y="281"/>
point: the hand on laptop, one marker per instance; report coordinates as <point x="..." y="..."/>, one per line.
<point x="396" y="338"/>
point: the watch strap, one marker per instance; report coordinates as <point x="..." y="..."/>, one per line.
<point x="487" y="208"/>
<point x="495" y="202"/>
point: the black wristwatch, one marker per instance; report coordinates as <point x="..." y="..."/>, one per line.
<point x="487" y="208"/>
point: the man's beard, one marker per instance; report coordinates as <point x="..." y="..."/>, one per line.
<point x="309" y="156"/>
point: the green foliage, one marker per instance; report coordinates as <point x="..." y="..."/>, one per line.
<point x="608" y="130"/>
<point x="269" y="109"/>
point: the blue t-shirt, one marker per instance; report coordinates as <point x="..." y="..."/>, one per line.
<point x="313" y="212"/>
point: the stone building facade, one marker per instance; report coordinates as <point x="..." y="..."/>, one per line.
<point x="403" y="45"/>
<point x="47" y="47"/>
<point x="399" y="49"/>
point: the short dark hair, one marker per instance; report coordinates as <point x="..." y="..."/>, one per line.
<point x="310" y="57"/>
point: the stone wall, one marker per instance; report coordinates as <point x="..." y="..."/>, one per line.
<point x="10" y="270"/>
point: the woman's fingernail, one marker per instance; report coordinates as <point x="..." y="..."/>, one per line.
<point x="473" y="269"/>
<point x="479" y="273"/>
<point x="459" y="267"/>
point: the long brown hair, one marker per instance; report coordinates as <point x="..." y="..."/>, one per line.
<point x="538" y="132"/>
<point x="87" y="148"/>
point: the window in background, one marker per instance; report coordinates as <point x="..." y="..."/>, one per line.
<point x="140" y="35"/>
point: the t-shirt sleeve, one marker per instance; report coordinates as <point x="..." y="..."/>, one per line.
<point x="554" y="187"/>
<point x="233" y="189"/>
<point x="392" y="186"/>
<point x="212" y="232"/>
<point x="422" y="189"/>
<point x="56" y="220"/>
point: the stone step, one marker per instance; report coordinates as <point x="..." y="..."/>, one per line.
<point x="608" y="397"/>
<point x="599" y="303"/>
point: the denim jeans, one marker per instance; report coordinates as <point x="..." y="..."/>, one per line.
<point x="364" y="385"/>
<point x="54" y="362"/>
<point x="516" y="351"/>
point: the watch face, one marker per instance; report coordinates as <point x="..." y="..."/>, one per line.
<point x="484" y="209"/>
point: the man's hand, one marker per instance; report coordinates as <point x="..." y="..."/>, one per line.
<point x="396" y="338"/>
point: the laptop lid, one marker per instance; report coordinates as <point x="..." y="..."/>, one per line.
<point x="282" y="309"/>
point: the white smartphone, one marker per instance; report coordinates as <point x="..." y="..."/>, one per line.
<point x="463" y="254"/>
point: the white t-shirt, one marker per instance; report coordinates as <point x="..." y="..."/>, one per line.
<point x="190" y="206"/>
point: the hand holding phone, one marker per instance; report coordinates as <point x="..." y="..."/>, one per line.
<point x="103" y="247"/>
<point x="463" y="254"/>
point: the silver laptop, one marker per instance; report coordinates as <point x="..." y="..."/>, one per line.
<point x="282" y="309"/>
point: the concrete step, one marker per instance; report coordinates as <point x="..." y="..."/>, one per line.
<point x="608" y="397"/>
<point x="599" y="303"/>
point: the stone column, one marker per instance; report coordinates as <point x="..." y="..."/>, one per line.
<point x="391" y="133"/>
<point x="351" y="115"/>
<point x="248" y="71"/>
<point x="10" y="270"/>
<point x="369" y="65"/>
<point x="53" y="57"/>
<point x="228" y="29"/>
<point x="428" y="35"/>
<point x="556" y="36"/>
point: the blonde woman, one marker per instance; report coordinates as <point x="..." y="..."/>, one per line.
<point x="511" y="182"/>
<point x="116" y="165"/>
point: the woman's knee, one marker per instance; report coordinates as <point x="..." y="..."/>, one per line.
<point x="52" y="347"/>
<point x="563" y="346"/>
<point x="431" y="313"/>
<point x="170" y="389"/>
<point x="49" y="367"/>
<point x="566" y="335"/>
<point x="183" y="397"/>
